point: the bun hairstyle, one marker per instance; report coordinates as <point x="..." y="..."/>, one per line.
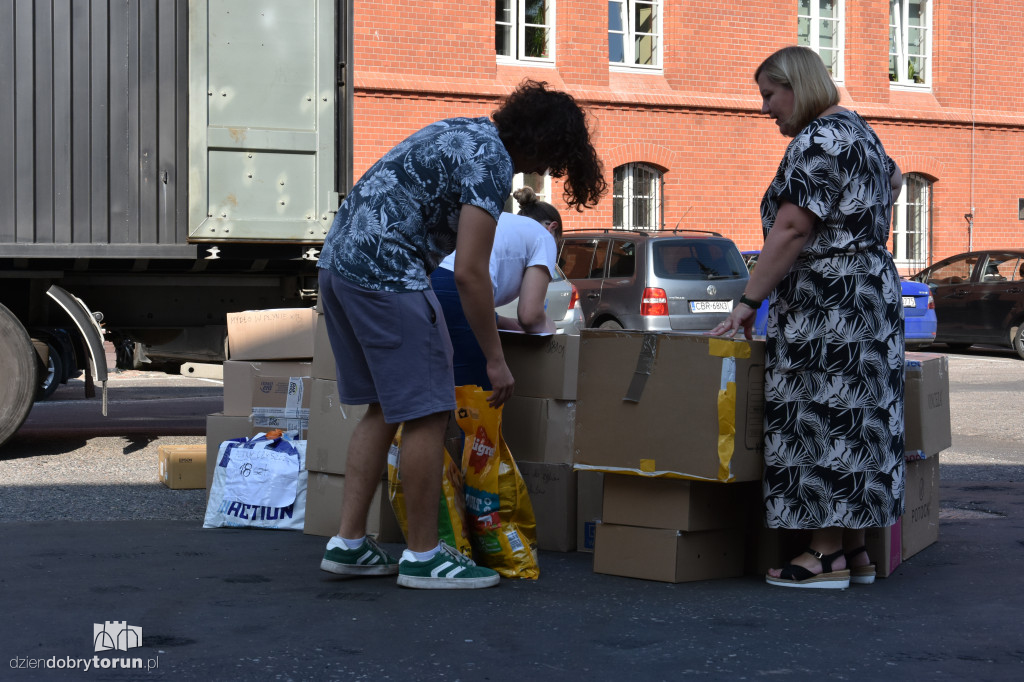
<point x="541" y="211"/>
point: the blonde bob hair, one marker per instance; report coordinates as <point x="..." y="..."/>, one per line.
<point x="801" y="70"/>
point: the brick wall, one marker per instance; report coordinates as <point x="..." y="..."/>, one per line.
<point x="698" y="118"/>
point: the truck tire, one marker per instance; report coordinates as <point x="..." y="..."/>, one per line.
<point x="18" y="369"/>
<point x="53" y="377"/>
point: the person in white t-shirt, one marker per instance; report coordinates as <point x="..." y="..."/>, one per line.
<point x="522" y="265"/>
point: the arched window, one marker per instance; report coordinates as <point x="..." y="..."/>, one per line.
<point x="636" y="197"/>
<point x="912" y="220"/>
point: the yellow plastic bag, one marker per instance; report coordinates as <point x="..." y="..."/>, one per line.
<point x="502" y="528"/>
<point x="451" y="513"/>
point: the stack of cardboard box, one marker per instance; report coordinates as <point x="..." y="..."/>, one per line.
<point x="538" y="425"/>
<point x="330" y="428"/>
<point x="674" y="423"/>
<point x="266" y="377"/>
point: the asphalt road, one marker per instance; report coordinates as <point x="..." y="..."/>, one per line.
<point x="87" y="535"/>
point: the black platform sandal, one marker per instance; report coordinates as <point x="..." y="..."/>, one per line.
<point x="798" y="576"/>
<point x="860" y="575"/>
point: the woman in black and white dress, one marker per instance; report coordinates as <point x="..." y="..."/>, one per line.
<point x="834" y="354"/>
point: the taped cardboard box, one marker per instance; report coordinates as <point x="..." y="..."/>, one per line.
<point x="921" y="516"/>
<point x="330" y="428"/>
<point x="246" y="385"/>
<point x="182" y="467"/>
<point x="324" y="494"/>
<point x="670" y="556"/>
<point x="323" y="356"/>
<point x="539" y="429"/>
<point x="552" y="490"/>
<point x="543" y="366"/>
<point x="670" y="404"/>
<point x="589" y="500"/>
<point x="927" y="403"/>
<point x="674" y="503"/>
<point x="277" y="334"/>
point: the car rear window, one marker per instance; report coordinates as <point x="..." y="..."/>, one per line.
<point x="697" y="259"/>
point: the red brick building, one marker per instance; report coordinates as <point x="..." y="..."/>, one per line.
<point x="677" y="114"/>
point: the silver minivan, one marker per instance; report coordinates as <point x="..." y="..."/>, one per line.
<point x="684" y="280"/>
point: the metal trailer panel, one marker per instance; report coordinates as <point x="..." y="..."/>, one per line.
<point x="262" y="118"/>
<point x="94" y="124"/>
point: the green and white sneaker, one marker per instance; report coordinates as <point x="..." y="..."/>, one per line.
<point x="448" y="570"/>
<point x="369" y="559"/>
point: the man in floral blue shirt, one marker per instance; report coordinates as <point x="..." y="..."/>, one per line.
<point x="442" y="187"/>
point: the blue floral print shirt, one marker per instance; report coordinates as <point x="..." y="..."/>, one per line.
<point x="401" y="217"/>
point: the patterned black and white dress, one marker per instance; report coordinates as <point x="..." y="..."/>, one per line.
<point x="834" y="355"/>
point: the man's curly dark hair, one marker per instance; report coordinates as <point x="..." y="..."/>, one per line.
<point x="549" y="127"/>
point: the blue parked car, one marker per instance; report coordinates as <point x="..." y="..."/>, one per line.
<point x="918" y="310"/>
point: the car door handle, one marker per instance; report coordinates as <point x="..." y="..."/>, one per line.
<point x="959" y="293"/>
<point x="593" y="295"/>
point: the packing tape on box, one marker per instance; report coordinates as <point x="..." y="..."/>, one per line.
<point x="641" y="472"/>
<point x="644" y="367"/>
<point x="728" y="350"/>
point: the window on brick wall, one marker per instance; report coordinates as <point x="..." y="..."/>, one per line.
<point x="911" y="221"/>
<point x="525" y="30"/>
<point x="636" y="197"/>
<point x="910" y="43"/>
<point x="634" y="33"/>
<point x="820" y="26"/>
<point x="540" y="184"/>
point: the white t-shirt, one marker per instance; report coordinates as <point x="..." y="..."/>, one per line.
<point x="519" y="242"/>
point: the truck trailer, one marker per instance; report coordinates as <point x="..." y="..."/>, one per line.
<point x="162" y="163"/>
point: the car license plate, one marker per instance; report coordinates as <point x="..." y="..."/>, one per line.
<point x="710" y="306"/>
<point x="909" y="302"/>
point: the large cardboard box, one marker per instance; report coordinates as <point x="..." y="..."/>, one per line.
<point x="539" y="429"/>
<point x="672" y="404"/>
<point x="330" y="428"/>
<point x="324" y="493"/>
<point x="921" y="517"/>
<point x="674" y="503"/>
<point x="279" y="334"/>
<point x="670" y="556"/>
<point x="589" y="498"/>
<point x="927" y="403"/>
<point x="182" y="467"/>
<point x="323" y="356"/>
<point x="543" y="366"/>
<point x="552" y="490"/>
<point x="249" y="384"/>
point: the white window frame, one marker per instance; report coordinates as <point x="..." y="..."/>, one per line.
<point x="518" y="180"/>
<point x="814" y="32"/>
<point x="627" y="12"/>
<point x="899" y="12"/>
<point x="624" y="197"/>
<point x="906" y="236"/>
<point x="518" y="33"/>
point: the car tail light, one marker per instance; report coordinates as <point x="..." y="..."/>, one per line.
<point x="931" y="300"/>
<point x="654" y="302"/>
<point x="574" y="298"/>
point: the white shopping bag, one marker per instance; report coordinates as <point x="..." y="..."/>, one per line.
<point x="259" y="483"/>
